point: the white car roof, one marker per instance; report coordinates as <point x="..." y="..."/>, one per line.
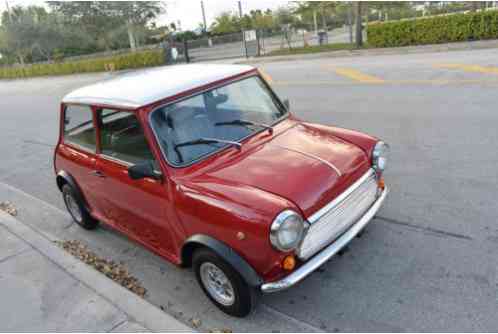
<point x="136" y="89"/>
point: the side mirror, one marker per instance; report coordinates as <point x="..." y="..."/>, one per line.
<point x="287" y="104"/>
<point x="143" y="170"/>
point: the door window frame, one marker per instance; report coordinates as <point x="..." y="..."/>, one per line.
<point x="97" y="115"/>
<point x="72" y="144"/>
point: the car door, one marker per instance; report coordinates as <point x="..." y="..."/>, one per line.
<point x="77" y="152"/>
<point x="136" y="207"/>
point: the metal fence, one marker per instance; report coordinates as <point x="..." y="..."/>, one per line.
<point x="237" y="45"/>
<point x="255" y="43"/>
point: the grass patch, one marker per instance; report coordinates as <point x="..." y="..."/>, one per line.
<point x="314" y="49"/>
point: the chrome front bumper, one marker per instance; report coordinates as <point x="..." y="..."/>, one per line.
<point x="316" y="261"/>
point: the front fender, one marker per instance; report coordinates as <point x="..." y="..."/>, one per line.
<point x="223" y="211"/>
<point x="223" y="251"/>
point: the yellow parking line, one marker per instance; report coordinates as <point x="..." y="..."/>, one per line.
<point x="357" y="75"/>
<point x="439" y="82"/>
<point x="469" y="68"/>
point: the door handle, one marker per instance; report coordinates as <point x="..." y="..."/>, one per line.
<point x="97" y="173"/>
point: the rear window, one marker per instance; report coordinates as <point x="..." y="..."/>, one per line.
<point x="79" y="128"/>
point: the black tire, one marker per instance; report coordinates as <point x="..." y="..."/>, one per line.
<point x="84" y="219"/>
<point x="244" y="295"/>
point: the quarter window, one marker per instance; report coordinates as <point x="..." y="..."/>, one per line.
<point x="122" y="137"/>
<point x="78" y="127"/>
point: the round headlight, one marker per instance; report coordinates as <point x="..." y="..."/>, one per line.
<point x="287" y="230"/>
<point x="380" y="156"/>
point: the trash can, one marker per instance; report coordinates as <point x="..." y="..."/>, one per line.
<point x="323" y="37"/>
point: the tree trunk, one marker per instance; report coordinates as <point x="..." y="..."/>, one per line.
<point x="359" y="33"/>
<point x="350" y="24"/>
<point x="367" y="19"/>
<point x="324" y="20"/>
<point x="131" y="36"/>
<point x="314" y="22"/>
<point x="21" y="58"/>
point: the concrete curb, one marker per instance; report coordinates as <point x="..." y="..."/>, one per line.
<point x="433" y="48"/>
<point x="136" y="308"/>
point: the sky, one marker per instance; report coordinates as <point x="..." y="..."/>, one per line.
<point x="188" y="12"/>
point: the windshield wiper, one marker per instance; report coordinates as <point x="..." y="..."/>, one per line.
<point x="245" y="123"/>
<point x="201" y="141"/>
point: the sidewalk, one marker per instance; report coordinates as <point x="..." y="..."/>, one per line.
<point x="43" y="288"/>
<point x="431" y="48"/>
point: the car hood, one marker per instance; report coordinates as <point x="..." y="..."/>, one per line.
<point x="305" y="165"/>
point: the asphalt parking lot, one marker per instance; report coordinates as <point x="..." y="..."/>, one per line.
<point x="428" y="262"/>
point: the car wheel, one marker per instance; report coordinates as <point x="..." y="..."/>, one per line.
<point x="223" y="284"/>
<point x="77" y="210"/>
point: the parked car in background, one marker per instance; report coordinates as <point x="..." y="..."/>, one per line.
<point x="206" y="166"/>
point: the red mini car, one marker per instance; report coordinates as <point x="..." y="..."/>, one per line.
<point x="205" y="166"/>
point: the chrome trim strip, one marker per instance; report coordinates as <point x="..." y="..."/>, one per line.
<point x="115" y="160"/>
<point x="309" y="155"/>
<point x="222" y="141"/>
<point x="322" y="257"/>
<point x="91" y="101"/>
<point x="317" y="215"/>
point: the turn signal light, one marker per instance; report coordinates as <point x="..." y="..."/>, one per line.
<point x="381" y="183"/>
<point x="289" y="262"/>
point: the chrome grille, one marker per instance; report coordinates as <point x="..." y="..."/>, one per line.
<point x="336" y="217"/>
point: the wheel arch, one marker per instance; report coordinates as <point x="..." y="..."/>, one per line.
<point x="63" y="178"/>
<point x="224" y="251"/>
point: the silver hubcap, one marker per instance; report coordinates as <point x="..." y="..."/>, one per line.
<point x="73" y="207"/>
<point x="217" y="284"/>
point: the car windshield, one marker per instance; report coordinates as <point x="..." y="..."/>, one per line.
<point x="200" y="125"/>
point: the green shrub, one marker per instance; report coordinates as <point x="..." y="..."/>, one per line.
<point x="434" y="30"/>
<point x="119" y="62"/>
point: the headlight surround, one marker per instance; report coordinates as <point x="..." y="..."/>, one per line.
<point x="380" y="156"/>
<point x="287" y="231"/>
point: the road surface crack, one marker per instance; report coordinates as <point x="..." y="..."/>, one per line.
<point x="426" y="229"/>
<point x="27" y="141"/>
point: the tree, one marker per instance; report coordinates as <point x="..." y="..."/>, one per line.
<point x="284" y="16"/>
<point x="105" y="20"/>
<point x="392" y="10"/>
<point x="225" y="23"/>
<point x="312" y="11"/>
<point x="91" y="18"/>
<point x="136" y="14"/>
<point x="229" y="22"/>
<point x="30" y="34"/>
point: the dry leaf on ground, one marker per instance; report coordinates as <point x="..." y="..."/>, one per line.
<point x="9" y="208"/>
<point x="116" y="272"/>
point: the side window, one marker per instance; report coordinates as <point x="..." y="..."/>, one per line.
<point x="122" y="137"/>
<point x="78" y="127"/>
